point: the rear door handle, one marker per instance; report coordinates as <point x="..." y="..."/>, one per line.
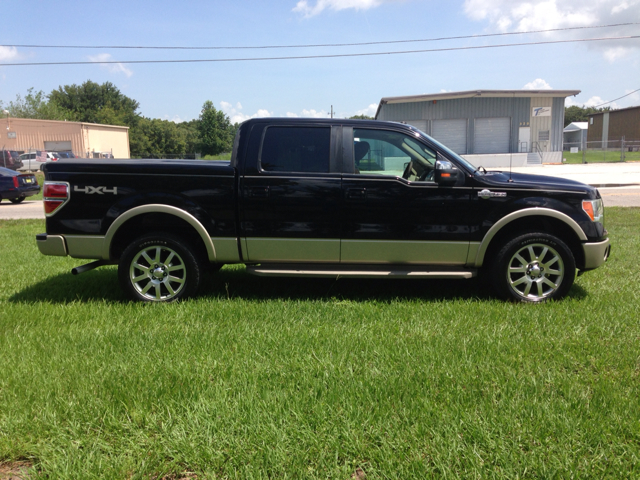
<point x="259" y="192"/>
<point x="357" y="193"/>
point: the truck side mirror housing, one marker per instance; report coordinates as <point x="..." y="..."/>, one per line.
<point x="445" y="173"/>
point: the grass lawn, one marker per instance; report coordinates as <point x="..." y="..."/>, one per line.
<point x="595" y="156"/>
<point x="303" y="378"/>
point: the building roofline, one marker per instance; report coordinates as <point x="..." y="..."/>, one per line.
<point x="17" y="119"/>
<point x="616" y="110"/>
<point x="476" y="93"/>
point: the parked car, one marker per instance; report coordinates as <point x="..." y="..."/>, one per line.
<point x="66" y="154"/>
<point x="15" y="186"/>
<point x="35" y="160"/>
<point x="10" y="159"/>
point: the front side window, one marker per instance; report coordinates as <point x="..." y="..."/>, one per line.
<point x="384" y="152"/>
<point x="296" y="149"/>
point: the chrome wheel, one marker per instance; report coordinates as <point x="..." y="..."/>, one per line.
<point x="535" y="271"/>
<point x="158" y="273"/>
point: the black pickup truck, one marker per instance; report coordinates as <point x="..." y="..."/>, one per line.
<point x="323" y="198"/>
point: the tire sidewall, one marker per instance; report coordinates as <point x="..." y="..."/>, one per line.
<point x="504" y="256"/>
<point x="183" y="250"/>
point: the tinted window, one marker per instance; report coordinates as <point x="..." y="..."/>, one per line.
<point x="296" y="149"/>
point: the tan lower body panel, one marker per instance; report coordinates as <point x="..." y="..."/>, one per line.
<point x="85" y="246"/>
<point x="292" y="250"/>
<point x="404" y="252"/>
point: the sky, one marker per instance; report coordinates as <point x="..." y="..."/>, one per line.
<point x="602" y="70"/>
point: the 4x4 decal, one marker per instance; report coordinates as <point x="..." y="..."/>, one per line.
<point x="99" y="190"/>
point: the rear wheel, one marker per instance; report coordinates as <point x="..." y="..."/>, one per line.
<point x="534" y="267"/>
<point x="159" y="268"/>
<point x="16" y="200"/>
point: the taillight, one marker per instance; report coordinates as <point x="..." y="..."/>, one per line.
<point x="15" y="182"/>
<point x="55" y="194"/>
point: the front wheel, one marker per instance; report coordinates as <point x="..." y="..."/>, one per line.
<point x="534" y="267"/>
<point x="158" y="268"/>
<point x="17" y="200"/>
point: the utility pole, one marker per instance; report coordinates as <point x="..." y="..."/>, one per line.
<point x="331" y="111"/>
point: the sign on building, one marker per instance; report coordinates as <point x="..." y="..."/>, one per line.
<point x="541" y="112"/>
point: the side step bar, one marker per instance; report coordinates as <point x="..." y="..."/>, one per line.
<point x="360" y="271"/>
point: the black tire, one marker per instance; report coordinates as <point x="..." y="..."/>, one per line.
<point x="17" y="200"/>
<point x="534" y="267"/>
<point x="159" y="267"/>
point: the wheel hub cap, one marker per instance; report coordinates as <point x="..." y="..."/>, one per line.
<point x="158" y="273"/>
<point x="535" y="271"/>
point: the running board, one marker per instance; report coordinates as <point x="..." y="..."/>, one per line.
<point x="359" y="271"/>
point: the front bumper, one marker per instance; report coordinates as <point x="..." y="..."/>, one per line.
<point x="595" y="254"/>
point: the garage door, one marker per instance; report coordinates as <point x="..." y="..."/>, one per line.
<point x="452" y="133"/>
<point x="57" y="146"/>
<point x="420" y="125"/>
<point x="492" y="135"/>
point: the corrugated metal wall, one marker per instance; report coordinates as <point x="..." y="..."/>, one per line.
<point x="518" y="109"/>
<point x="557" y="123"/>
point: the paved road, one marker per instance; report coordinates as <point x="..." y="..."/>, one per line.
<point x="621" y="196"/>
<point x="26" y="209"/>
<point x="613" y="197"/>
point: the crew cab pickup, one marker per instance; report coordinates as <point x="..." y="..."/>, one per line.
<point x="323" y="198"/>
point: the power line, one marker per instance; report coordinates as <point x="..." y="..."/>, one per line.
<point x="337" y="55"/>
<point x="611" y="101"/>
<point x="461" y="37"/>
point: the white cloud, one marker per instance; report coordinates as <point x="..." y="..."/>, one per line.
<point x="613" y="54"/>
<point x="314" y="113"/>
<point x="8" y="53"/>
<point x="369" y="111"/>
<point x="308" y="10"/>
<point x="526" y="15"/>
<point x="236" y="116"/>
<point x="537" y="84"/>
<point x="111" y="67"/>
<point x="174" y="119"/>
<point x="292" y="115"/>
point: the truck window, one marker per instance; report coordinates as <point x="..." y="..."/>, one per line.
<point x="296" y="149"/>
<point x="384" y="152"/>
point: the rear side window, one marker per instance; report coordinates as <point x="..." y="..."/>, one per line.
<point x="296" y="149"/>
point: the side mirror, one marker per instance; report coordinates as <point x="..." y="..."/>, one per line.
<point x="445" y="173"/>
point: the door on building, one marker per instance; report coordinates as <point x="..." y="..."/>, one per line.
<point x="492" y="135"/>
<point x="524" y="139"/>
<point x="57" y="146"/>
<point x="452" y="133"/>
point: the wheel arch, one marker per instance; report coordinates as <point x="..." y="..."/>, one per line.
<point x="544" y="220"/>
<point x="160" y="218"/>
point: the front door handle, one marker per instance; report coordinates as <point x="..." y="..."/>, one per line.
<point x="357" y="193"/>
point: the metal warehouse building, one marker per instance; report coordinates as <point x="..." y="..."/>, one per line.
<point x="612" y="126"/>
<point x="492" y="128"/>
<point x="88" y="140"/>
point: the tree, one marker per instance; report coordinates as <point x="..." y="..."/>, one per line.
<point x="215" y="129"/>
<point x="94" y="103"/>
<point x="37" y="105"/>
<point x="575" y="113"/>
<point x="156" y="138"/>
<point x="361" y="117"/>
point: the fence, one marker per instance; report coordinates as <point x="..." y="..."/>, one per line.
<point x="620" y="150"/>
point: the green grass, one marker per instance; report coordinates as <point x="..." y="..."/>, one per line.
<point x="291" y="378"/>
<point x="595" y="156"/>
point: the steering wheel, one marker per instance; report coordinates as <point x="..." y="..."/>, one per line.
<point x="408" y="171"/>
<point x="427" y="176"/>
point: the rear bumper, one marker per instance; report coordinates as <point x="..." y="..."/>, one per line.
<point x="595" y="254"/>
<point x="51" y="245"/>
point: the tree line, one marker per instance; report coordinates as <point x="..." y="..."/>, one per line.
<point x="210" y="134"/>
